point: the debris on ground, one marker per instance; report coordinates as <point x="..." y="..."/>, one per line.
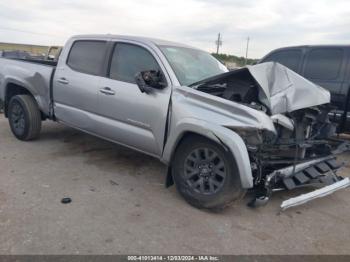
<point x="66" y="200"/>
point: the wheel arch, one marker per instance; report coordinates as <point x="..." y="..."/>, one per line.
<point x="13" y="88"/>
<point x="229" y="139"/>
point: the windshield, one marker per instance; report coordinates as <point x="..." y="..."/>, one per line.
<point x="192" y="65"/>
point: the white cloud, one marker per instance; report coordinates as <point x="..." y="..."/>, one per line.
<point x="269" y="23"/>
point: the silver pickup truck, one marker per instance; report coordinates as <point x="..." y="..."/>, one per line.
<point x="221" y="133"/>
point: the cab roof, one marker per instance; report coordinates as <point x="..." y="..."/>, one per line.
<point x="141" y="39"/>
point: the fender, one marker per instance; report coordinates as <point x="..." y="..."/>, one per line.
<point x="31" y="89"/>
<point x="35" y="78"/>
<point x="221" y="135"/>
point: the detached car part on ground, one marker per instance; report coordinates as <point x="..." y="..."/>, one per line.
<point x="261" y="128"/>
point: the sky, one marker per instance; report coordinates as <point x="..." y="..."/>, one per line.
<point x="268" y="23"/>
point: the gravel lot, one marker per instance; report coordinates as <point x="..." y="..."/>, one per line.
<point x="120" y="206"/>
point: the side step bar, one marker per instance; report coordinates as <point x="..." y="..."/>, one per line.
<point x="324" y="191"/>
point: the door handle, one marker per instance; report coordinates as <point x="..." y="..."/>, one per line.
<point x="63" y="80"/>
<point x="107" y="91"/>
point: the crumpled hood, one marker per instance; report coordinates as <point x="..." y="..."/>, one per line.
<point x="284" y="90"/>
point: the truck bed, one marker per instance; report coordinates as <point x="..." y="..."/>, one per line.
<point x="35" y="75"/>
<point x="36" y="61"/>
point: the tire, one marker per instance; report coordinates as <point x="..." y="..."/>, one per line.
<point x="205" y="174"/>
<point x="24" y="117"/>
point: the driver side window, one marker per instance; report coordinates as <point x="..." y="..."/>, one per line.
<point x="128" y="60"/>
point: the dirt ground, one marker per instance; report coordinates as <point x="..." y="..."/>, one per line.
<point x="120" y="206"/>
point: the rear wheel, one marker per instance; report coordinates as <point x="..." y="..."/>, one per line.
<point x="24" y="117"/>
<point x="205" y="174"/>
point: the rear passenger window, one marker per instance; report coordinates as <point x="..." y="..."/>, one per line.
<point x="87" y="56"/>
<point x="128" y="60"/>
<point x="288" y="58"/>
<point x="324" y="63"/>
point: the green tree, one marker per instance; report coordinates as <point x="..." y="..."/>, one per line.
<point x="240" y="61"/>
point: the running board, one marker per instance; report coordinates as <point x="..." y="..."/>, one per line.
<point x="324" y="191"/>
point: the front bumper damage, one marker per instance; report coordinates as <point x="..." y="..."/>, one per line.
<point x="284" y="122"/>
<point x="319" y="172"/>
<point x="325" y="191"/>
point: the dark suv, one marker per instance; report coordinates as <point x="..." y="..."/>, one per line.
<point x="325" y="65"/>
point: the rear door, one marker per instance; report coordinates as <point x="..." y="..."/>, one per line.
<point x="325" y="66"/>
<point x="128" y="116"/>
<point x="76" y="83"/>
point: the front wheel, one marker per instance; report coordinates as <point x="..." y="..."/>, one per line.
<point x="24" y="117"/>
<point x="205" y="174"/>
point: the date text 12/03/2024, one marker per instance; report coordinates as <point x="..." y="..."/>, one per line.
<point x="173" y="258"/>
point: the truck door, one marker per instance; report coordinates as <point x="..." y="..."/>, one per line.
<point x="129" y="116"/>
<point x="325" y="66"/>
<point x="345" y="93"/>
<point x="76" y="83"/>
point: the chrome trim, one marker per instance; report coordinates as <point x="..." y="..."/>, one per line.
<point x="322" y="192"/>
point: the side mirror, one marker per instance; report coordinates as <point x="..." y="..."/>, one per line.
<point x="146" y="80"/>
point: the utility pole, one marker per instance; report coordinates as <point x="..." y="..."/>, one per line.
<point x="246" y="51"/>
<point x="218" y="43"/>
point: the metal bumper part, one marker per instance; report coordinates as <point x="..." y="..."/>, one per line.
<point x="327" y="190"/>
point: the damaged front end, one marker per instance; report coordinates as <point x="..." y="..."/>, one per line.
<point x="302" y="150"/>
<point x="302" y="154"/>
